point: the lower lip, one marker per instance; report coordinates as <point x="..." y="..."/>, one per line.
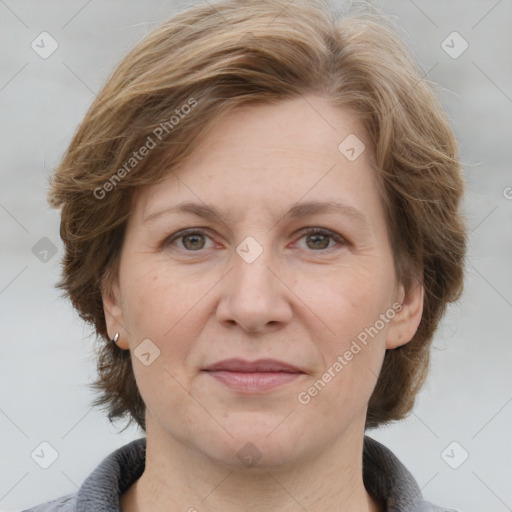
<point x="256" y="382"/>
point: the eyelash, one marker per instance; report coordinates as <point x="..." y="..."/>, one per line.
<point x="306" y="231"/>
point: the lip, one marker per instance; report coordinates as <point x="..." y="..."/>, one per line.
<point x="253" y="376"/>
<point x="260" y="365"/>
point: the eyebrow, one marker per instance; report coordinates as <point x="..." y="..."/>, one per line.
<point x="297" y="211"/>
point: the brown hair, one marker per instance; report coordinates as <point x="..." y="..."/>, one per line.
<point x="213" y="58"/>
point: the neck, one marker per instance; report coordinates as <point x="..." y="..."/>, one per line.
<point x="177" y="477"/>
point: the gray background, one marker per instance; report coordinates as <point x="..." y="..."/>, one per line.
<point x="47" y="361"/>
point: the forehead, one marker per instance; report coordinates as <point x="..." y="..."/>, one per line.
<point x="303" y="128"/>
<point x="273" y="152"/>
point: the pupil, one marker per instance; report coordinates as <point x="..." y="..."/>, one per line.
<point x="195" y="242"/>
<point x="319" y="238"/>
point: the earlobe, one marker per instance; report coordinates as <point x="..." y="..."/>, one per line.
<point x="112" y="308"/>
<point x="406" y="321"/>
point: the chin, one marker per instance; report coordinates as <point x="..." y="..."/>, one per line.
<point x="259" y="443"/>
<point x="257" y="455"/>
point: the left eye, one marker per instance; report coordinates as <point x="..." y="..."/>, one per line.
<point x="320" y="239"/>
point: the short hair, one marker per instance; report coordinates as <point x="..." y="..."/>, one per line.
<point x="167" y="94"/>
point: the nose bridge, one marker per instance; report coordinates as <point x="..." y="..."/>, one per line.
<point x="253" y="297"/>
<point x="251" y="276"/>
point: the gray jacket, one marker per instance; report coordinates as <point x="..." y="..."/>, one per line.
<point x="385" y="478"/>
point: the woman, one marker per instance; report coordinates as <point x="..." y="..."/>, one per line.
<point x="261" y="219"/>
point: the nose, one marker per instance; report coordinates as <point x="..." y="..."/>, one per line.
<point x="254" y="296"/>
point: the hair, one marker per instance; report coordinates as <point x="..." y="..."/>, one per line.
<point x="169" y="91"/>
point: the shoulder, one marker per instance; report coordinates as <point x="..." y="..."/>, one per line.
<point x="101" y="489"/>
<point x="63" y="504"/>
<point x="430" y="507"/>
<point x="389" y="481"/>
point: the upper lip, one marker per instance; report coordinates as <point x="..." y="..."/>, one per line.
<point x="260" y="365"/>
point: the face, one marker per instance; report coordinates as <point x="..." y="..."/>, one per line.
<point x="270" y="243"/>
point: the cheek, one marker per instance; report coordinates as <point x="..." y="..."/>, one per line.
<point x="160" y="297"/>
<point x="351" y="357"/>
<point x="167" y="305"/>
<point x="158" y="306"/>
<point x="348" y="298"/>
<point x="350" y="303"/>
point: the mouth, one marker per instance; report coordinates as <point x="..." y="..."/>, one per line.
<point x="253" y="377"/>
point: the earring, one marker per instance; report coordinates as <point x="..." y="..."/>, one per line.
<point x="115" y="338"/>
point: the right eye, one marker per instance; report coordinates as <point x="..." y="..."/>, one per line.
<point x="190" y="240"/>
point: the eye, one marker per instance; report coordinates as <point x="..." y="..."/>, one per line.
<point x="318" y="239"/>
<point x="196" y="239"/>
<point x="188" y="240"/>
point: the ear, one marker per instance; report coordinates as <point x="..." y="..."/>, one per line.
<point x="113" y="310"/>
<point x="405" y="323"/>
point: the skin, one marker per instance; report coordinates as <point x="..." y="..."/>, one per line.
<point x="302" y="301"/>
